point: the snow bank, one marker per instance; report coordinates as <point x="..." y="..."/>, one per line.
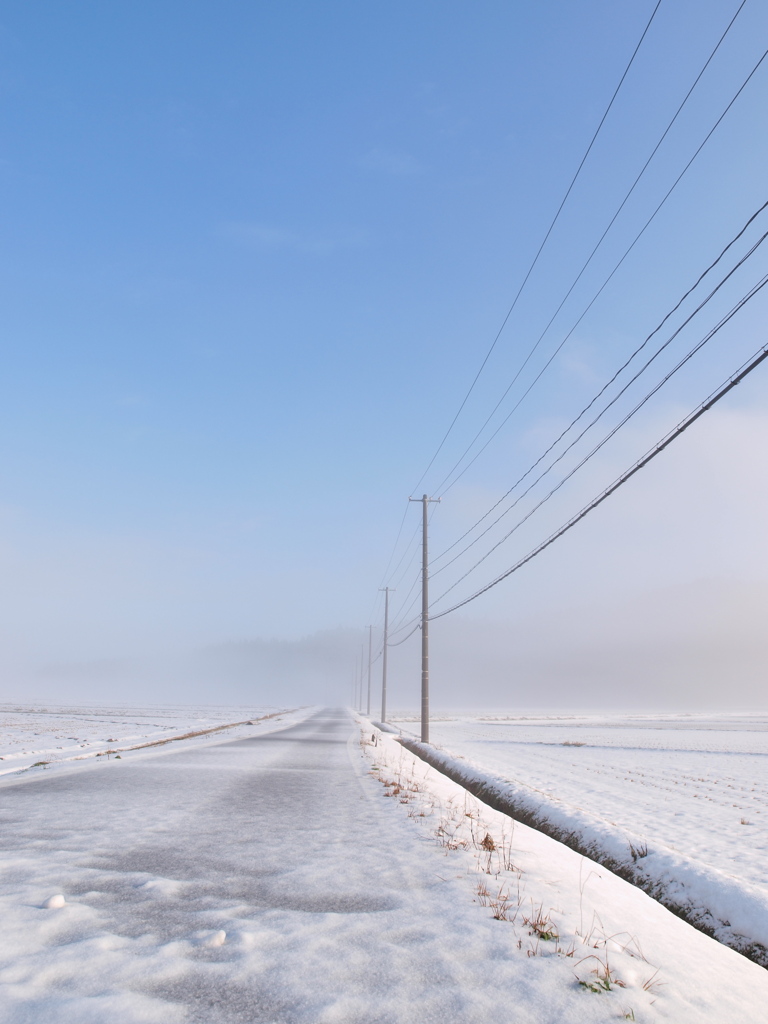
<point x="728" y="909"/>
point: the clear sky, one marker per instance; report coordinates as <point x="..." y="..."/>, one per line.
<point x="253" y="255"/>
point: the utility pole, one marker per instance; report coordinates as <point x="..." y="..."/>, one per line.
<point x="370" y="654"/>
<point x="425" y="500"/>
<point x="384" y="654"/>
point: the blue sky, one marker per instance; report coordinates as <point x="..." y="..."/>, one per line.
<point x="253" y="255"/>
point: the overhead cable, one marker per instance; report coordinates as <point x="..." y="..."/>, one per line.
<point x="398" y="642"/>
<point x="443" y="488"/>
<point x="739" y="305"/>
<point x="742" y="302"/>
<point x="401" y="624"/>
<point x="394" y="546"/>
<point x="402" y="613"/>
<point x="609" y="405"/>
<point x="540" y="249"/>
<point x="405" y="607"/>
<point x="585" y="265"/>
<point x="715" y="397"/>
<point x="404" y="555"/>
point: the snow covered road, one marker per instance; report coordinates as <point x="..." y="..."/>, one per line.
<point x="327" y="914"/>
<point x="261" y="880"/>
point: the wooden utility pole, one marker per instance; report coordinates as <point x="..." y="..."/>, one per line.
<point x="425" y="500"/>
<point x="387" y="591"/>
<point x="370" y="654"/>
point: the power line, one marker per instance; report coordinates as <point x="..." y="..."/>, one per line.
<point x="412" y="543"/>
<point x="742" y="302"/>
<point x="404" y="610"/>
<point x="394" y="546"/>
<point x="589" y="259"/>
<point x="417" y="626"/>
<point x="599" y="394"/>
<point x="613" y="401"/>
<point x="442" y="487"/>
<point x="706" y="139"/>
<point x="540" y="249"/>
<point x="389" y="562"/>
<point x="399" y="628"/>
<point x="640" y="464"/>
<point x="403" y="613"/>
<point x="414" y="536"/>
<point x="401" y="625"/>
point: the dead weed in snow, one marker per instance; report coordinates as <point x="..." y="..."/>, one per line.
<point x="461" y="827"/>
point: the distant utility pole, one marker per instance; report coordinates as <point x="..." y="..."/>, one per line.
<point x="387" y="591"/>
<point x="424" y="621"/>
<point x="370" y="654"/>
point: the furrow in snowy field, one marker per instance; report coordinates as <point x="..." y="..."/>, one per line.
<point x="729" y="909"/>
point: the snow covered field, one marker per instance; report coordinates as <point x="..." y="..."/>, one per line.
<point x="300" y="875"/>
<point x="54" y="733"/>
<point x="690" y="790"/>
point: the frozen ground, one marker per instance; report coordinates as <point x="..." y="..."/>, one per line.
<point x="276" y="878"/>
<point x="692" y="789"/>
<point x="54" y="733"/>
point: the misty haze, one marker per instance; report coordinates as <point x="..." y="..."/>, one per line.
<point x="382" y="630"/>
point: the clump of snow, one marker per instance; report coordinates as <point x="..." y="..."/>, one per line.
<point x="55" y="902"/>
